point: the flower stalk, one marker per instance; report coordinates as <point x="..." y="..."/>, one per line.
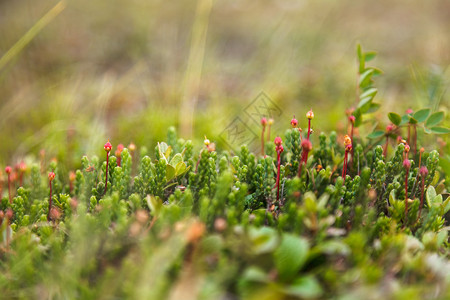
<point x="8" y="170"/>
<point x="107" y="148"/>
<point x="279" y="149"/>
<point x="51" y="176"/>
<point x="406" y="166"/>
<point x="423" y="171"/>
<point x="348" y="149"/>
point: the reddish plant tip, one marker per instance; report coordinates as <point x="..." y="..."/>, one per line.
<point x="423" y="171"/>
<point x="306" y="145"/>
<point x="72" y="176"/>
<point x="310" y="114"/>
<point x="422" y="150"/>
<point x="389" y="128"/>
<point x="264" y="122"/>
<point x="51" y="176"/>
<point x="352" y="119"/>
<point x="8" y="170"/>
<point x="119" y="150"/>
<point x="107" y="146"/>
<point x="407" y="148"/>
<point x="279" y="149"/>
<point x="347" y="140"/>
<point x="409" y="111"/>
<point x="278" y="141"/>
<point x="9" y="213"/>
<point x="406" y="164"/>
<point x="294" y="122"/>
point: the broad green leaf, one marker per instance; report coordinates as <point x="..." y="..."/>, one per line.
<point x="405" y="119"/>
<point x="290" y="255"/>
<point x="177" y="158"/>
<point x="373" y="107"/>
<point x="435" y="119"/>
<point x="264" y="239"/>
<point x="170" y="172"/>
<point x="375" y="134"/>
<point x="369" y="55"/>
<point x="440" y="130"/>
<point x="376" y="71"/>
<point x="370" y="92"/>
<point x="431" y="193"/>
<point x="180" y="168"/>
<point x="395" y="118"/>
<point x="155" y="204"/>
<point x="364" y="79"/>
<point x="358" y="117"/>
<point x="255" y="274"/>
<point x="412" y="120"/>
<point x="364" y="104"/>
<point x="163" y="148"/>
<point x="422" y="115"/>
<point x="305" y="287"/>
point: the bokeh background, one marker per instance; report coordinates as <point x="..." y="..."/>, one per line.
<point x="87" y="71"/>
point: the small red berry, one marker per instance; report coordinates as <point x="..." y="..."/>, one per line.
<point x="279" y="149"/>
<point x="264" y="122"/>
<point x="407" y="148"/>
<point x="352" y="119"/>
<point x="409" y="111"/>
<point x="389" y="128"/>
<point x="294" y="122"/>
<point x="107" y="146"/>
<point x="278" y="141"/>
<point x="8" y="170"/>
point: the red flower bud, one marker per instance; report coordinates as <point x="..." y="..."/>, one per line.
<point x="423" y="171"/>
<point x="264" y="122"/>
<point x="8" y="170"/>
<point x="51" y="176"/>
<point x="389" y="128"/>
<point x="294" y="122"/>
<point x="310" y="114"/>
<point x="409" y="111"/>
<point x="352" y="119"/>
<point x="278" y="141"/>
<point x="306" y="145"/>
<point x="406" y="164"/>
<point x="107" y="146"/>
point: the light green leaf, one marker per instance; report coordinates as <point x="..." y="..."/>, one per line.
<point x="375" y="134"/>
<point x="170" y="172"/>
<point x="370" y="92"/>
<point x="440" y="130"/>
<point x="435" y="119"/>
<point x="365" y="78"/>
<point x="395" y="118"/>
<point x="305" y="287"/>
<point x="431" y="193"/>
<point x="373" y="107"/>
<point x="369" y="55"/>
<point x="422" y="115"/>
<point x="264" y="239"/>
<point x="177" y="158"/>
<point x="290" y="255"/>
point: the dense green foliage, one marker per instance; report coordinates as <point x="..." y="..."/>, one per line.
<point x="205" y="224"/>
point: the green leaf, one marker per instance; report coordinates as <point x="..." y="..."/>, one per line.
<point x="405" y="119"/>
<point x="422" y="115"/>
<point x="373" y="107"/>
<point x="365" y="78"/>
<point x="358" y="117"/>
<point x="412" y="120"/>
<point x="364" y="104"/>
<point x="177" y="158"/>
<point x="290" y="255"/>
<point x="375" y="134"/>
<point x="264" y="239"/>
<point x="369" y="92"/>
<point x="431" y="194"/>
<point x="360" y="58"/>
<point x="255" y="274"/>
<point x="305" y="287"/>
<point x="369" y="55"/>
<point x="395" y="118"/>
<point x="170" y="172"/>
<point x="440" y="130"/>
<point x="435" y="119"/>
<point x="376" y="71"/>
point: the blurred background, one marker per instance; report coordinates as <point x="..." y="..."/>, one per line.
<point x="75" y="73"/>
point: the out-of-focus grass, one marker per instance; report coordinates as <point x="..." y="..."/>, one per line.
<point x="118" y="69"/>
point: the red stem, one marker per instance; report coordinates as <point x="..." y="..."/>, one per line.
<point x="106" y="180"/>
<point x="49" y="201"/>
<point x="278" y="176"/>
<point x="262" y="140"/>
<point x="9" y="188"/>
<point x="421" y="196"/>
<point x="406" y="194"/>
<point x="386" y="146"/>
<point x="409" y="134"/>
<point x="344" y="169"/>
<point x="309" y="128"/>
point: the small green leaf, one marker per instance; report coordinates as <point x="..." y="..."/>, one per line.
<point x="290" y="255"/>
<point x="373" y="107"/>
<point x="431" y="193"/>
<point x="264" y="239"/>
<point x="369" y="55"/>
<point x="412" y="120"/>
<point x="305" y="287"/>
<point x="369" y="92"/>
<point x="365" y="78"/>
<point x="440" y="130"/>
<point x="364" y="104"/>
<point x="360" y="58"/>
<point x="395" y="118"/>
<point x="177" y="158"/>
<point x="435" y="119"/>
<point x="358" y="117"/>
<point x="376" y="71"/>
<point x="375" y="134"/>
<point x="170" y="172"/>
<point x="422" y="115"/>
